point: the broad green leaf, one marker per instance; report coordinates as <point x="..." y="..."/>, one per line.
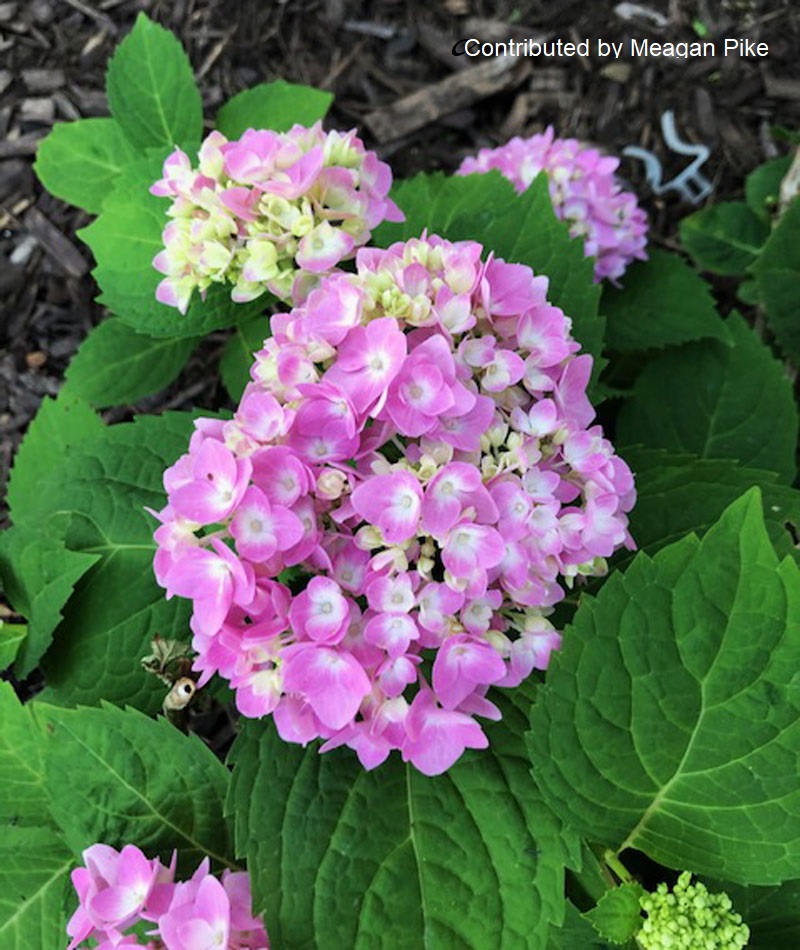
<point x="108" y="624"/>
<point x="116" y="365"/>
<point x="117" y="607"/>
<point x="151" y="88"/>
<point x="617" y="915"/>
<point x="576" y="933"/>
<point x="38" y="575"/>
<point x="777" y="272"/>
<point x="716" y="401"/>
<point x="440" y="202"/>
<point x="58" y="426"/>
<point x="118" y="777"/>
<point x="24" y="801"/>
<point x="519" y="228"/>
<point x="771" y="913"/>
<point x="34" y="861"/>
<point x="239" y="354"/>
<point x="724" y="238"/>
<point x="471" y="858"/>
<point x="34" y="884"/>
<point x="662" y="302"/>
<point x="124" y="240"/>
<point x="670" y="720"/>
<point x="676" y="494"/>
<point x="12" y="636"/>
<point x="80" y="161"/>
<point x="762" y="186"/>
<point x="747" y="292"/>
<point x="272" y="105"/>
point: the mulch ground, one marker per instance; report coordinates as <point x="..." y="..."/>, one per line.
<point x="391" y="67"/>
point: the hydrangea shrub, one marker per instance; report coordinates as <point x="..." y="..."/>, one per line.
<point x="119" y="889"/>
<point x="585" y="193"/>
<point x="418" y="443"/>
<point x="263" y="210"/>
<point x="409" y="527"/>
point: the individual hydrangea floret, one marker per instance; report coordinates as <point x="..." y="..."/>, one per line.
<point x="119" y="890"/>
<point x="262" y="211"/>
<point x="690" y="918"/>
<point x="378" y="535"/>
<point x="584" y="191"/>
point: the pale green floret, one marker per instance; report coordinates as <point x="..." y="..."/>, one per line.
<point x="690" y="918"/>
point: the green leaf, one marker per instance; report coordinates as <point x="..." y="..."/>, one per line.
<point x="762" y="186"/>
<point x="676" y="494"/>
<point x="239" y="354"/>
<point x="663" y="302"/>
<point x="115" y="365"/>
<point x="747" y="292"/>
<point x="617" y="915"/>
<point x="724" y="238"/>
<point x="124" y="240"/>
<point x="38" y="575"/>
<point x="575" y="934"/>
<point x="80" y="161"/>
<point x="34" y="883"/>
<point x="771" y="913"/>
<point x="117" y="607"/>
<point x="34" y="861"/>
<point x="151" y="88"/>
<point x="58" y="426"/>
<point x="272" y="105"/>
<point x="716" y="401"/>
<point x="118" y="777"/>
<point x="777" y="273"/>
<point x="471" y="858"/>
<point x="12" y="635"/>
<point x="24" y="801"/>
<point x="670" y="720"/>
<point x="518" y="228"/>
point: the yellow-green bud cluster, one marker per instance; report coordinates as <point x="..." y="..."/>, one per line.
<point x="690" y="918"/>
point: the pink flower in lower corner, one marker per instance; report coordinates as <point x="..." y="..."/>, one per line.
<point x="203" y="923"/>
<point x="120" y="891"/>
<point x="113" y="889"/>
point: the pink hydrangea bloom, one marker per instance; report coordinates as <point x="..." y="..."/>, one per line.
<point x="434" y="482"/>
<point x="262" y="211"/>
<point x="119" y="890"/>
<point x="584" y="190"/>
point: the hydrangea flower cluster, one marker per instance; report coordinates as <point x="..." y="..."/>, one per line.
<point x="584" y="192"/>
<point x="119" y="890"/>
<point x="260" y="211"/>
<point x="690" y="918"/>
<point x="417" y="440"/>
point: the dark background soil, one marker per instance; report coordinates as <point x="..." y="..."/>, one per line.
<point x="372" y="56"/>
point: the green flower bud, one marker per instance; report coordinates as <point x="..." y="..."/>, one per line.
<point x="690" y="918"/>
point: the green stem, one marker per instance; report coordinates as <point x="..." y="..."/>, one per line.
<point x="613" y="862"/>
